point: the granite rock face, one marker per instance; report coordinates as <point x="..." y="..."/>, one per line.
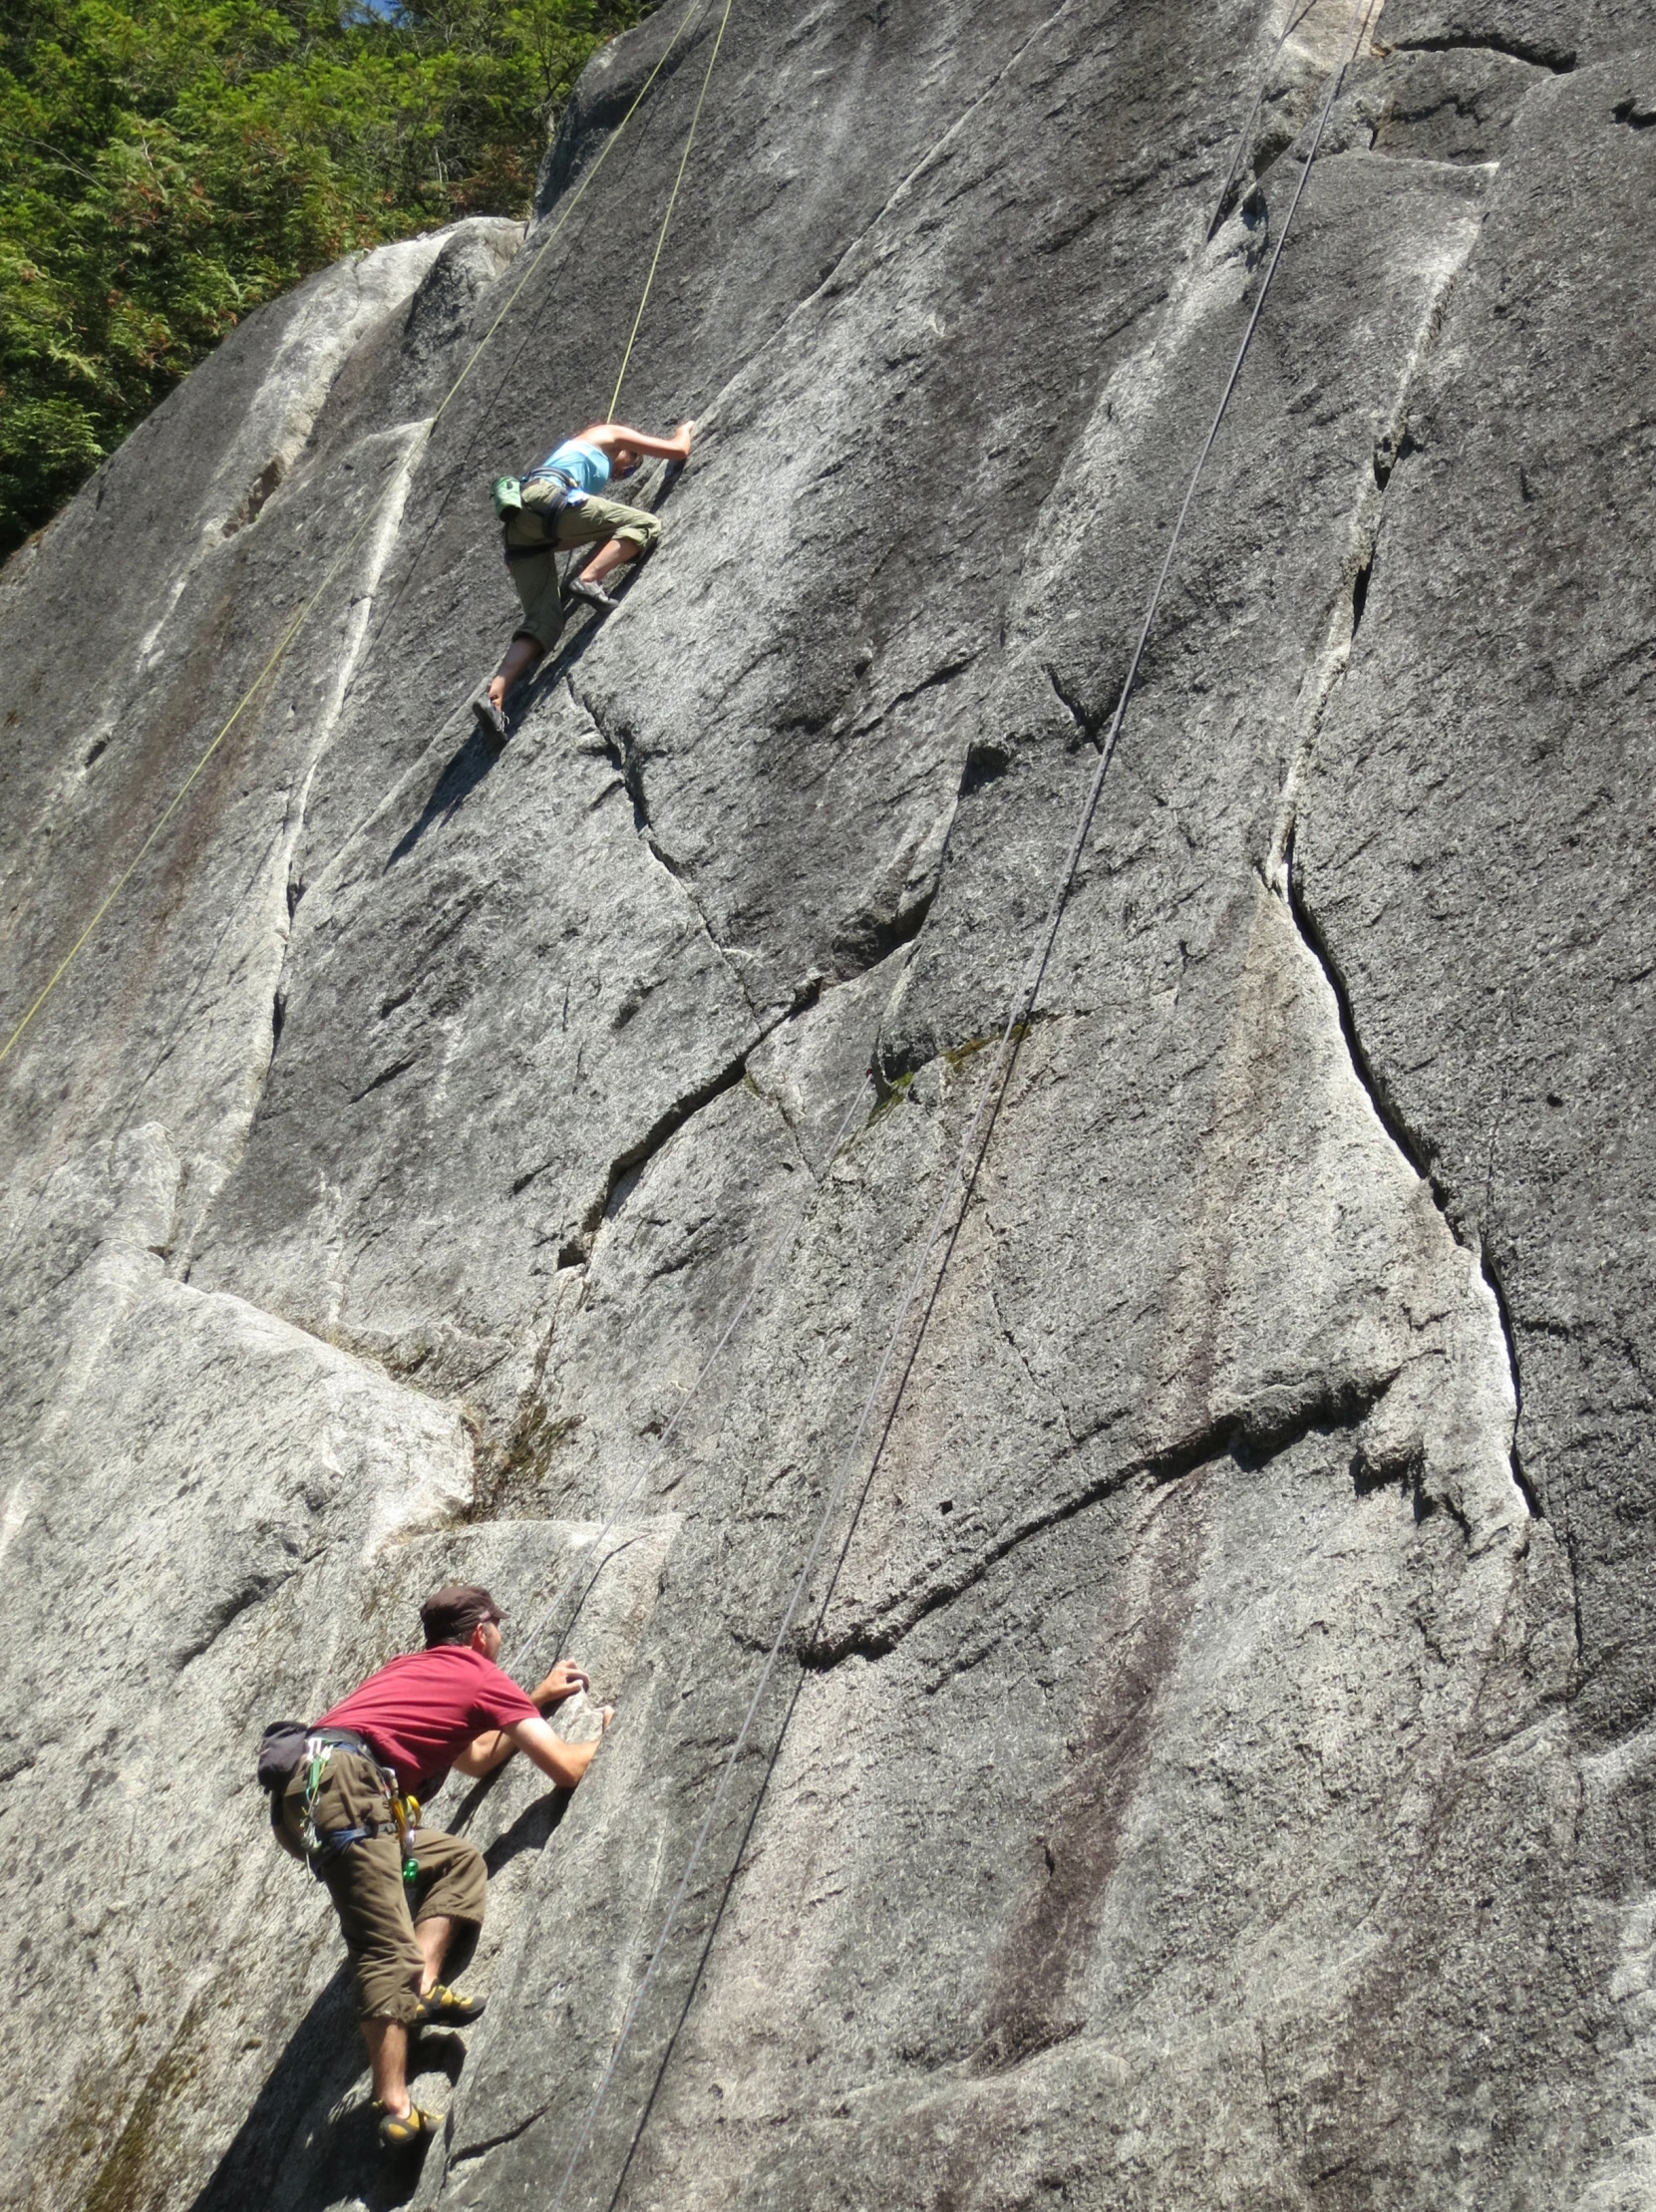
<point x="1213" y="1760"/>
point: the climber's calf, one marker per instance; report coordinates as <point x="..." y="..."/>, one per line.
<point x="560" y="506"/>
<point x="345" y="1795"/>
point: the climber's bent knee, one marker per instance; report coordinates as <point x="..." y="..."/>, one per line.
<point x="643" y="534"/>
<point x="596" y="522"/>
<point x="452" y="1883"/>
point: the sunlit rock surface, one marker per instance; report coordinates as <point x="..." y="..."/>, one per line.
<point x="1214" y="1760"/>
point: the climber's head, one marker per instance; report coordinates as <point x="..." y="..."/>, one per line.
<point x="624" y="462"/>
<point x="461" y="1613"/>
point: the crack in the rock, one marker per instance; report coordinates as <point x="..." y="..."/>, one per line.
<point x="1360" y="586"/>
<point x="1396" y="1126"/>
<point x="254" y="499"/>
<point x="1088" y="722"/>
<point x="893" y="1076"/>
<point x="623" y="757"/>
<point x="494" y="2142"/>
<point x="374" y="1083"/>
<point x="1498" y="1290"/>
<point x="393" y="495"/>
<point x="1561" y="60"/>
<point x="635" y="1158"/>
<point x="1251" y="1436"/>
<point x="252" y="1592"/>
<point x="944" y="675"/>
<point x="865" y="940"/>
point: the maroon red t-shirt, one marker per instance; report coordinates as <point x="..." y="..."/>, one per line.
<point x="421" y="1712"/>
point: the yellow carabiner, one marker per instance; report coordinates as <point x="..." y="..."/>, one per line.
<point x="405" y="1811"/>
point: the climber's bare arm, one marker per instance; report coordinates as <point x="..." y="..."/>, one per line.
<point x="484" y="1753"/>
<point x="613" y="438"/>
<point x="563" y="1764"/>
<point x="494" y="1747"/>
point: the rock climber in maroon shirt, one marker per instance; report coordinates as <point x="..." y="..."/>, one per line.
<point x="403" y="1892"/>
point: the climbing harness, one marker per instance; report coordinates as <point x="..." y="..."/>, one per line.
<point x="695" y="9"/>
<point x="508" y="495"/>
<point x="322" y="1844"/>
<point x="968" y="1163"/>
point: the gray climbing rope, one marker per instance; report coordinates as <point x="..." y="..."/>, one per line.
<point x="969" y="1160"/>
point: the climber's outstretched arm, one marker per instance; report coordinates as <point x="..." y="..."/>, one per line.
<point x="564" y="1764"/>
<point x="614" y="438"/>
<point x="494" y="1747"/>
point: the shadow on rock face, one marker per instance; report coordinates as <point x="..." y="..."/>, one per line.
<point x="467" y="766"/>
<point x="465" y="772"/>
<point x="530" y="1831"/>
<point x="309" y="2144"/>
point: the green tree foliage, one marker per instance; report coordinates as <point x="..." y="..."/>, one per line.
<point x="167" y="165"/>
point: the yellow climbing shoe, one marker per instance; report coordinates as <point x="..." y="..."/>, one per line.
<point x="441" y="2007"/>
<point x="401" y="2131"/>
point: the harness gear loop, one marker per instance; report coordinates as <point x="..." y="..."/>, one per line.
<point x="322" y="1844"/>
<point x="509" y="505"/>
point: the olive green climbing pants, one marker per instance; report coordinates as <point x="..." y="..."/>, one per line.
<point x="377" y="1909"/>
<point x="592" y="523"/>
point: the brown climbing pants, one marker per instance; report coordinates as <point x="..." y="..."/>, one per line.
<point x="377" y="1910"/>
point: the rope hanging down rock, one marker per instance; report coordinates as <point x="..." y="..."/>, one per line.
<point x="672" y="201"/>
<point x="278" y="652"/>
<point x="970" y="1162"/>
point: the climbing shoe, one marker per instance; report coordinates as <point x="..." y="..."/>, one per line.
<point x="400" y="2133"/>
<point x="441" y="2007"/>
<point x="593" y="595"/>
<point x="492" y="724"/>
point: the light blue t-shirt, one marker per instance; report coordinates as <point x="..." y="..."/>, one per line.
<point x="587" y="464"/>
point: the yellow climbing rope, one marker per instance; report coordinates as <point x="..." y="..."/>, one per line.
<point x="672" y="199"/>
<point x="298" y="623"/>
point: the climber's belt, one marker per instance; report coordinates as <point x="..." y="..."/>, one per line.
<point x="341" y="1739"/>
<point x="331" y="1841"/>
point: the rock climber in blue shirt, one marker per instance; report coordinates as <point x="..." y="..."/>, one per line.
<point x="561" y="504"/>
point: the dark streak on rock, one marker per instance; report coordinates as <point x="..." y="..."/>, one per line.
<point x="1036" y="1995"/>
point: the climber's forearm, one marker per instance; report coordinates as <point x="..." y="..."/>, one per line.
<point x="612" y="435"/>
<point x="561" y="1762"/>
